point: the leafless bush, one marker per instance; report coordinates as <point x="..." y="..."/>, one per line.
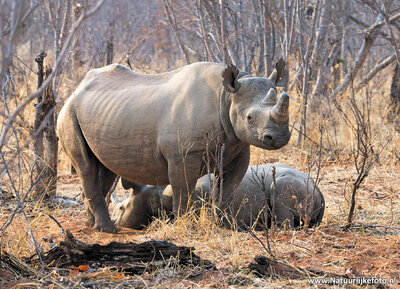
<point x="363" y="152"/>
<point x="18" y="167"/>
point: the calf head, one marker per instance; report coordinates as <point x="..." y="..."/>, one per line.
<point x="257" y="116"/>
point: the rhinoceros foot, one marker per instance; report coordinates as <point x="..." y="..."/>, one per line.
<point x="90" y="220"/>
<point x="107" y="228"/>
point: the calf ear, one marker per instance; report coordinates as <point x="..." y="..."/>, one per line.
<point x="230" y="76"/>
<point x="280" y="75"/>
<point x="131" y="185"/>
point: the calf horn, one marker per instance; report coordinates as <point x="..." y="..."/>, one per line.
<point x="115" y="200"/>
<point x="280" y="111"/>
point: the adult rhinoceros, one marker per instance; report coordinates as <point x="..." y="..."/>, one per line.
<point x="293" y="198"/>
<point x="151" y="128"/>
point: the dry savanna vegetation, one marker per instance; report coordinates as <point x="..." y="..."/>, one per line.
<point x="344" y="85"/>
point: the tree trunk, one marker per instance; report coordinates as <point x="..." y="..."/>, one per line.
<point x="318" y="67"/>
<point x="7" y="43"/>
<point x="208" y="52"/>
<point x="37" y="131"/>
<point x="51" y="141"/>
<point x="306" y="74"/>
<point x="76" y="50"/>
<point x="227" y="58"/>
<point x="268" y="35"/>
<point x="345" y="32"/>
<point x="110" y="44"/>
<point x="169" y="11"/>
<point x="393" y="114"/>
<point x="260" y="37"/>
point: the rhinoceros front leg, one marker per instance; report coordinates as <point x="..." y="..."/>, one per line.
<point x="183" y="173"/>
<point x="233" y="175"/>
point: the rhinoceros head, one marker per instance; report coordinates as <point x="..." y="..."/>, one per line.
<point x="132" y="212"/>
<point x="257" y="116"/>
<point x="143" y="203"/>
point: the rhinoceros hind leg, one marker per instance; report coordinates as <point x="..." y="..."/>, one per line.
<point x="94" y="177"/>
<point x="98" y="188"/>
<point x="106" y="179"/>
<point x="95" y="182"/>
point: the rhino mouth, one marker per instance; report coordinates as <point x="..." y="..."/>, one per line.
<point x="271" y="143"/>
<point x="117" y="216"/>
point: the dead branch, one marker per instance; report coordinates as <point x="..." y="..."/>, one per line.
<point x="380" y="66"/>
<point x="369" y="38"/>
<point x="365" y="25"/>
<point x="15" y="265"/>
<point x="170" y="13"/>
<point x="392" y="39"/>
<point x="273" y="196"/>
<point x="393" y="230"/>
<point x="266" y="248"/>
<point x="63" y="232"/>
<point x="267" y="267"/>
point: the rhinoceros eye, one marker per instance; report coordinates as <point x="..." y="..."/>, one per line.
<point x="250" y="119"/>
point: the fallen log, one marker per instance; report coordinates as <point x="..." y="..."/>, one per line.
<point x="131" y="257"/>
<point x="14" y="266"/>
<point x="267" y="267"/>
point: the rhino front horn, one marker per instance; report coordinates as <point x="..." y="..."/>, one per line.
<point x="280" y="111"/>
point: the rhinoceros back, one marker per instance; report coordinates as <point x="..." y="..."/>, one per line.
<point x="132" y="121"/>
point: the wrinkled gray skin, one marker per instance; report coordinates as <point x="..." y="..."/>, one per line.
<point x="296" y="196"/>
<point x="151" y="129"/>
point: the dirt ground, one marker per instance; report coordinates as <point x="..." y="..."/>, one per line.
<point x="362" y="251"/>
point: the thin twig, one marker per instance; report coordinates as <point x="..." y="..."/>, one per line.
<point x="58" y="223"/>
<point x="111" y="191"/>
<point x="59" y="61"/>
<point x="366" y="226"/>
<point x="268" y="250"/>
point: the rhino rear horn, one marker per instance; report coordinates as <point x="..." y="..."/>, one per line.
<point x="230" y="78"/>
<point x="280" y="75"/>
<point x="270" y="98"/>
<point x="280" y="111"/>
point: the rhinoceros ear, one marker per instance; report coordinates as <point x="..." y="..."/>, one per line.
<point x="230" y="76"/>
<point x="131" y="185"/>
<point x="280" y="75"/>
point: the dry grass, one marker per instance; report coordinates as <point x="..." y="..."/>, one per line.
<point x="367" y="251"/>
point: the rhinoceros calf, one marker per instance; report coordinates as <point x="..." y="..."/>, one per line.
<point x="151" y="129"/>
<point x="294" y="198"/>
